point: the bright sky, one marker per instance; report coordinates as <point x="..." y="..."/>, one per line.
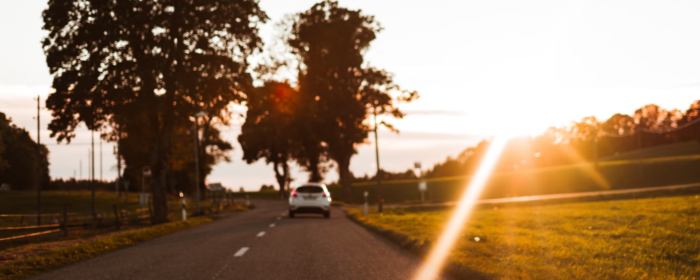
<point x="481" y="67"/>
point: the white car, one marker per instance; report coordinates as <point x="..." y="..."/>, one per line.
<point x="310" y="198"/>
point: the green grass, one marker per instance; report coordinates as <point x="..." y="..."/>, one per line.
<point x="623" y="239"/>
<point x="55" y="258"/>
<point x="665" y="165"/>
<point x="24" y="202"/>
<point x="671" y="150"/>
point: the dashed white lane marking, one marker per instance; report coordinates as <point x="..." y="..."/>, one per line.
<point x="261" y="234"/>
<point x="272" y="225"/>
<point x="241" y="252"/>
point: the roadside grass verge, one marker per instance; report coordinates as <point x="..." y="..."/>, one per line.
<point x="56" y="258"/>
<point x="654" y="238"/>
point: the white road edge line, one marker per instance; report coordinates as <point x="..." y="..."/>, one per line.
<point x="272" y="225"/>
<point x="241" y="252"/>
<point x="261" y="234"/>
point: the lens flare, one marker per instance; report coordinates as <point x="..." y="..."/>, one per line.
<point x="589" y="169"/>
<point x="431" y="267"/>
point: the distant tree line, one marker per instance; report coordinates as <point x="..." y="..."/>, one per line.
<point x="19" y="158"/>
<point x="267" y="188"/>
<point x="585" y="140"/>
<point x="80" y="185"/>
<point x="386" y="175"/>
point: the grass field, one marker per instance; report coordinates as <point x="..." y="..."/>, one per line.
<point x="664" y="165"/>
<point x="672" y="150"/>
<point x="655" y="238"/>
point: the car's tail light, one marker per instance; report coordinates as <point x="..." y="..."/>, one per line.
<point x="294" y="193"/>
<point x="324" y="194"/>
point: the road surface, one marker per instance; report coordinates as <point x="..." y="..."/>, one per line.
<point x="259" y="244"/>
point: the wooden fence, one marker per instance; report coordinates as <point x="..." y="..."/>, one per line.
<point x="24" y="228"/>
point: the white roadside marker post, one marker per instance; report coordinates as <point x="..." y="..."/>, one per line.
<point x="422" y="186"/>
<point x="184" y="210"/>
<point x="366" y="205"/>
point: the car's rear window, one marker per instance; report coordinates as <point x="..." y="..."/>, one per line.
<point x="309" y="189"/>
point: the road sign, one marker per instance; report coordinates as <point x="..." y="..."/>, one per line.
<point x="215" y="187"/>
<point x="146" y="171"/>
<point x="366" y="208"/>
<point x="143" y="199"/>
<point x="422" y="185"/>
<point x="417" y="165"/>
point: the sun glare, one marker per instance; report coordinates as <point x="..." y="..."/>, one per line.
<point x="431" y="267"/>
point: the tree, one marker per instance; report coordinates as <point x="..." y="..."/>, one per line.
<point x="162" y="58"/>
<point x="268" y="131"/>
<point x="18" y="157"/>
<point x="619" y="124"/>
<point x="335" y="85"/>
<point x="693" y="131"/>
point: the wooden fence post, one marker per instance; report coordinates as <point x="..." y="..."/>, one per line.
<point x="116" y="216"/>
<point x="65" y="220"/>
<point x="150" y="211"/>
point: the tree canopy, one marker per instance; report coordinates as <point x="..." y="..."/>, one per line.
<point x="18" y="157"/>
<point x="270" y="130"/>
<point x="335" y="83"/>
<point x="167" y="59"/>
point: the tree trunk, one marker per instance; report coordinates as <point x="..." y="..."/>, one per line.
<point x="345" y="179"/>
<point x="159" y="151"/>
<point x="281" y="176"/>
<point x="314" y="169"/>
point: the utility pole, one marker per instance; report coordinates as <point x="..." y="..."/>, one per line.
<point x="119" y="160"/>
<point x="100" y="159"/>
<point x="196" y="161"/>
<point x="376" y="150"/>
<point x="92" y="179"/>
<point x="38" y="161"/>
<point x="81" y="168"/>
<point x="196" y="158"/>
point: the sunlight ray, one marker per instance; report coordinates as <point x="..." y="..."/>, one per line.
<point x="431" y="267"/>
<point x="588" y="169"/>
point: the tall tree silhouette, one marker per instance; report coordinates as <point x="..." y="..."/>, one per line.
<point x="269" y="130"/>
<point x="335" y="84"/>
<point x="160" y="56"/>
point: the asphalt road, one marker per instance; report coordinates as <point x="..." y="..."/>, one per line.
<point x="306" y="247"/>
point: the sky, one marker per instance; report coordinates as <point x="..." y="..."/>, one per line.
<point x="482" y="68"/>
